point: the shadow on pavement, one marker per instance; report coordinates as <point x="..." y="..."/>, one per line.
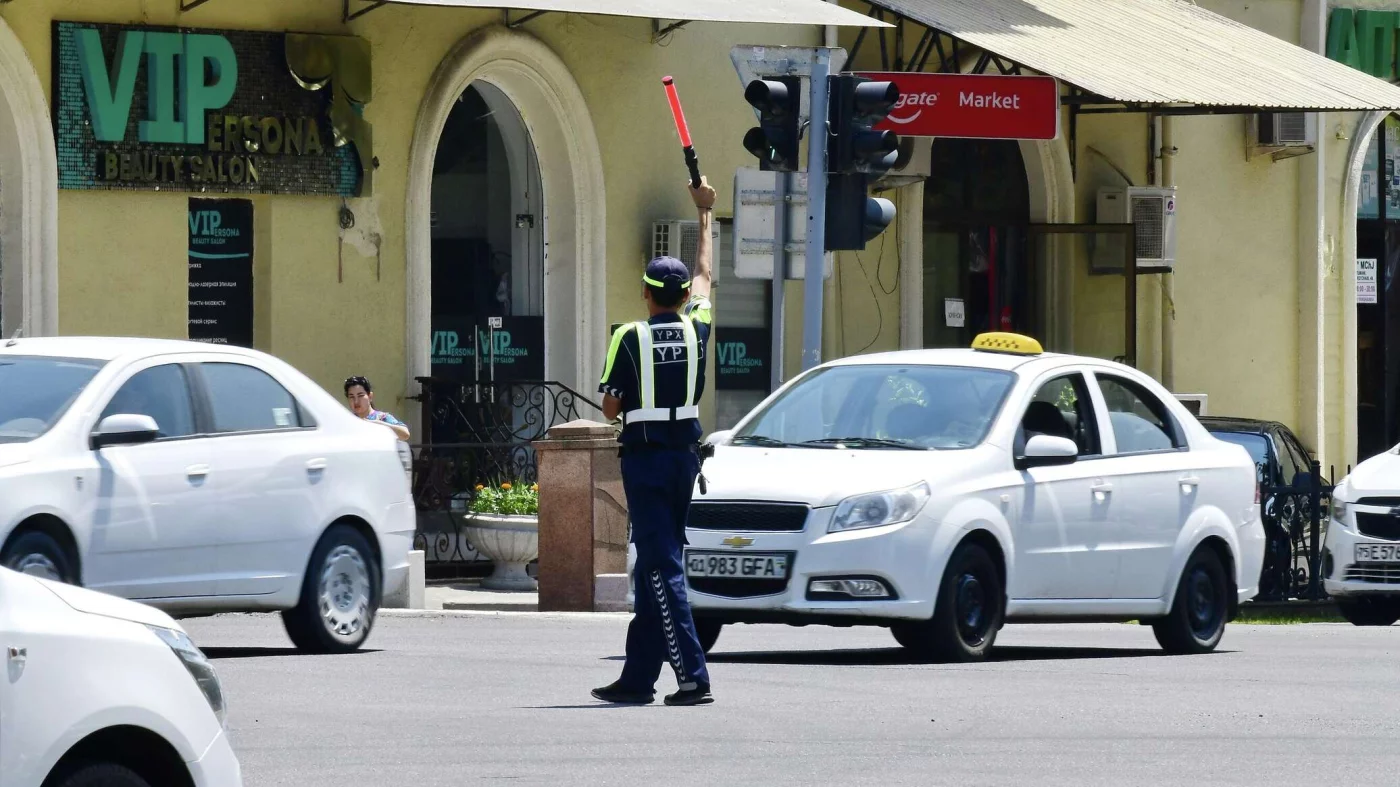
<point x="258" y="653"/>
<point x="892" y="656"/>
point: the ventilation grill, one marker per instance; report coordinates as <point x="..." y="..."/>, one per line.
<point x="1149" y="220"/>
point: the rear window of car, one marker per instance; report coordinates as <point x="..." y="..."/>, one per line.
<point x="38" y="391"/>
<point x="1256" y="444"/>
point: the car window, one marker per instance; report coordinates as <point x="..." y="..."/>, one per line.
<point x="1140" y="421"/>
<point x="38" y="391"/>
<point x="163" y="393"/>
<point x="1257" y="446"/>
<point x="1062" y="408"/>
<point x="919" y="406"/>
<point x="1291" y="459"/>
<point x="246" y="399"/>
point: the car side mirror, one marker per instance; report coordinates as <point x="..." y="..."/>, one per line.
<point x="720" y="437"/>
<point x="124" y="429"/>
<point x="1046" y="451"/>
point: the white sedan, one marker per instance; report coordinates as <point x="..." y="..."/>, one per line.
<point x="200" y="479"/>
<point x="943" y="493"/>
<point x="104" y="691"/>
<point x="1361" y="559"/>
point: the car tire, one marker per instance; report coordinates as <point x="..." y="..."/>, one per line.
<point x="101" y="775"/>
<point x="339" y="595"/>
<point x="38" y="554"/>
<point x="1366" y="611"/>
<point x="967" y="616"/>
<point x="708" y="632"/>
<point x="1200" y="607"/>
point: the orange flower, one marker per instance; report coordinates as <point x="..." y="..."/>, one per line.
<point x="534" y="487"/>
<point x="479" y="487"/>
<point x="506" y="486"/>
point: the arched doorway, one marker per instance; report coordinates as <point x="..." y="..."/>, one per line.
<point x="977" y="274"/>
<point x="547" y="153"/>
<point x="28" y="197"/>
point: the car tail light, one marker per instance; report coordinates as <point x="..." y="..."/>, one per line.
<point x="1256" y="493"/>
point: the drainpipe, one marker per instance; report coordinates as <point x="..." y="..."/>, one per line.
<point x="1166" y="174"/>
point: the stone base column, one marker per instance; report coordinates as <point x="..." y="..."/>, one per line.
<point x="583" y="514"/>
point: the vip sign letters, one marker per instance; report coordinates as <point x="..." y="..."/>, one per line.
<point x="224" y="111"/>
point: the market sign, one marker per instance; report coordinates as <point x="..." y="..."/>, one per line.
<point x="147" y="108"/>
<point x="972" y="106"/>
<point x="1364" y="40"/>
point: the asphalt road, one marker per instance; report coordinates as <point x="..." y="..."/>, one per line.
<point x="454" y="699"/>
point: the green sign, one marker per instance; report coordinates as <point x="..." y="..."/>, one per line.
<point x="1364" y="40"/>
<point x="184" y="110"/>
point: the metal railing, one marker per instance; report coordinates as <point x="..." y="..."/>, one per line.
<point x="1295" y="518"/>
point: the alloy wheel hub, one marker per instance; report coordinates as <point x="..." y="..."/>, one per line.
<point x="345" y="590"/>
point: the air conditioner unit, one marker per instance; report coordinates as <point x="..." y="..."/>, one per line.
<point x="1196" y="403"/>
<point x="1282" y="134"/>
<point x="1152" y="212"/>
<point x="914" y="165"/>
<point x="681" y="239"/>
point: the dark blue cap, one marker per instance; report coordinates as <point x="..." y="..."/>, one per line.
<point x="667" y="273"/>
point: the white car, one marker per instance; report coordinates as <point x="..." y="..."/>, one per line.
<point x="1361" y="558"/>
<point x="103" y="691"/>
<point x="200" y="479"/>
<point x="942" y="493"/>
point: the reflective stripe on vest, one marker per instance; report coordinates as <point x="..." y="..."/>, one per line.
<point x="646" y="373"/>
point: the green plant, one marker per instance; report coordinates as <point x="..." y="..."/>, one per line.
<point x="506" y="499"/>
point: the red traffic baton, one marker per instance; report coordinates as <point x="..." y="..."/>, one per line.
<point x="692" y="162"/>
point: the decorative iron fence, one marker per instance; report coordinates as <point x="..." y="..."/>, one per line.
<point x="1295" y="519"/>
<point x="478" y="433"/>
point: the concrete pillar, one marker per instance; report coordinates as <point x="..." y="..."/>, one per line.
<point x="583" y="514"/>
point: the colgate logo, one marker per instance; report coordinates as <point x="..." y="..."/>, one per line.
<point x="916" y="101"/>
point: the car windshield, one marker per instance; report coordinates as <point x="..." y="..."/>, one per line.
<point x="882" y="407"/>
<point x="1256" y="444"/>
<point x="36" y="392"/>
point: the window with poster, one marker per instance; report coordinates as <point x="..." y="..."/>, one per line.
<point x="743" y="338"/>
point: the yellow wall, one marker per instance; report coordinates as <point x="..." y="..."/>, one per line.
<point x="334" y="312"/>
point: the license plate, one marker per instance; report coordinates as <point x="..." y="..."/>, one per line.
<point x="757" y="565"/>
<point x="1378" y="553"/>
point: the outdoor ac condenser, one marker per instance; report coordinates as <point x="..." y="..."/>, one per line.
<point x="1282" y="134"/>
<point x="1152" y="212"/>
<point x="680" y="239"/>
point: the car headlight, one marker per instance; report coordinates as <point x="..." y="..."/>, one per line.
<point x="199" y="668"/>
<point x="1339" y="511"/>
<point x="406" y="457"/>
<point x="880" y="508"/>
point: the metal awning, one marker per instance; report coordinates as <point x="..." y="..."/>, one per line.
<point x="791" y="12"/>
<point x="1145" y="55"/>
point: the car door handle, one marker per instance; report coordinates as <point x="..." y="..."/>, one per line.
<point x="315" y="465"/>
<point x="1102" y="487"/>
<point x="197" y="471"/>
<point x="1191" y="481"/>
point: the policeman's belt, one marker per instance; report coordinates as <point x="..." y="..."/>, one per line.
<point x="652" y="414"/>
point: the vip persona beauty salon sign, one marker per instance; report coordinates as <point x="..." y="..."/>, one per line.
<point x="145" y="108"/>
<point x="973" y="106"/>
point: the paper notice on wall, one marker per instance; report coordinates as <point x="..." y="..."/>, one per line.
<point x="1366" y="280"/>
<point x="953" y="313"/>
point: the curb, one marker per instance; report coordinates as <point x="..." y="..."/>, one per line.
<point x="468" y="613"/>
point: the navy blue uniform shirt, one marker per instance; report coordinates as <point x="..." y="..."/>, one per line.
<point x="621" y="377"/>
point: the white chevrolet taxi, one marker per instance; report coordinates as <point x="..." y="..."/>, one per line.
<point x="1361" y="559"/>
<point x="943" y="493"/>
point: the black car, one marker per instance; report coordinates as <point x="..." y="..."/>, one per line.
<point x="1283" y="464"/>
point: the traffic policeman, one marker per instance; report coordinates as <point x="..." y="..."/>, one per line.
<point x="654" y="376"/>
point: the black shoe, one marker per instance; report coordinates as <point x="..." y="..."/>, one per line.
<point x="618" y="695"/>
<point x="699" y="694"/>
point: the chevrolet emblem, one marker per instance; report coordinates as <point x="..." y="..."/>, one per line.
<point x="737" y="541"/>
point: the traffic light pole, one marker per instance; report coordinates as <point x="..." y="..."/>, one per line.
<point x="816" y="212"/>
<point x="780" y="274"/>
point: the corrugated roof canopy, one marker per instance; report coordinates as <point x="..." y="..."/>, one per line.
<point x="1153" y="52"/>
<point x="791" y="12"/>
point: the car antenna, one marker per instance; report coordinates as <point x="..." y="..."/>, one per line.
<point x="15" y="338"/>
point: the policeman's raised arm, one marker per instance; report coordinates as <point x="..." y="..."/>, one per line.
<point x="704" y="198"/>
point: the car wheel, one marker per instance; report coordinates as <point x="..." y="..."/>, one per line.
<point x="37" y="554"/>
<point x="1367" y="611"/>
<point x="103" y="775"/>
<point x="968" y="613"/>
<point x="339" y="596"/>
<point x="1200" y="609"/>
<point x="708" y="631"/>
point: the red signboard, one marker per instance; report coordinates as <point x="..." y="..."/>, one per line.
<point x="973" y="106"/>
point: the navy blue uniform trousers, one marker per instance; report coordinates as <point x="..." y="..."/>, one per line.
<point x="658" y="485"/>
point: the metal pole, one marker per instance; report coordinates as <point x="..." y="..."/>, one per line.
<point x="780" y="275"/>
<point x="817" y="134"/>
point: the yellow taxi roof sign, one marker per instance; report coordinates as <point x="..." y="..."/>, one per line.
<point x="1009" y="343"/>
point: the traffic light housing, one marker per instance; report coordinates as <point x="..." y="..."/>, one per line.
<point x="857" y="154"/>
<point x="776" y="139"/>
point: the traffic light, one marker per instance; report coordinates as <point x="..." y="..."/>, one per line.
<point x="857" y="154"/>
<point x="779" y="105"/>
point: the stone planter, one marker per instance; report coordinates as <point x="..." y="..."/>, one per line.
<point x="511" y="541"/>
